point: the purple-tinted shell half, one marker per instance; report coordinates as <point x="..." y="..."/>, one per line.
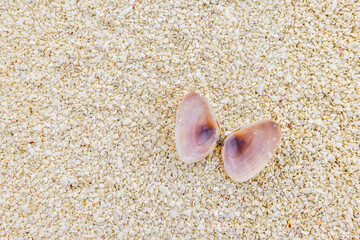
<point x="247" y="151"/>
<point x="196" y="130"/>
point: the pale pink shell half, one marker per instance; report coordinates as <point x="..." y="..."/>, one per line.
<point x="196" y="130"/>
<point x="247" y="151"/>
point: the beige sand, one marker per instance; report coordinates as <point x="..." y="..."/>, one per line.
<point x="88" y="96"/>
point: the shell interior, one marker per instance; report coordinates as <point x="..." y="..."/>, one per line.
<point x="247" y="151"/>
<point x="196" y="131"/>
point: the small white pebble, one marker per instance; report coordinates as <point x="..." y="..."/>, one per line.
<point x="52" y="167"/>
<point x="64" y="181"/>
<point x="32" y="151"/>
<point x="11" y="164"/>
<point x="127" y="121"/>
<point x="164" y="190"/>
<point x="225" y="100"/>
<point x="187" y="212"/>
<point x="118" y="30"/>
<point x="48" y="152"/>
<point x="99" y="219"/>
<point x="201" y="227"/>
<point x="62" y="127"/>
<point x="37" y="128"/>
<point x="151" y="119"/>
<point x="174" y="214"/>
<point x="260" y="88"/>
<point x="86" y="140"/>
<point x="119" y="163"/>
<point x="109" y="181"/>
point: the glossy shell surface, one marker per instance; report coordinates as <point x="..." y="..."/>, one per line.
<point x="196" y="130"/>
<point x="247" y="151"/>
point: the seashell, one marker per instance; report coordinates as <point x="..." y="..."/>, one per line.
<point x="247" y="151"/>
<point x="196" y="130"/>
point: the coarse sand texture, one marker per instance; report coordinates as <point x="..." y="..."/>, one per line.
<point x="88" y="97"/>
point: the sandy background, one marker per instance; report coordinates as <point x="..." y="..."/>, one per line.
<point x="88" y="96"/>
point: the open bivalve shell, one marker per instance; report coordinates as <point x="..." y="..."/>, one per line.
<point x="196" y="130"/>
<point x="247" y="151"/>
